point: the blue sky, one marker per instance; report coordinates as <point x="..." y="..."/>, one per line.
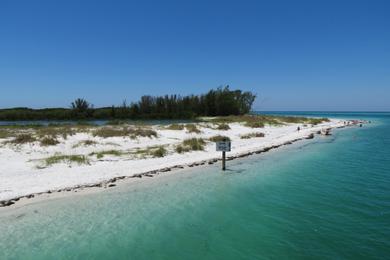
<point x="296" y="55"/>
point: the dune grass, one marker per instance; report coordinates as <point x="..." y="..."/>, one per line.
<point x="23" y="139"/>
<point x="6" y="134"/>
<point x="192" y="128"/>
<point x="252" y="135"/>
<point x="101" y="154"/>
<point x="258" y="121"/>
<point x="133" y="133"/>
<point x="223" y="127"/>
<point x="175" y="127"/>
<point x="85" y="143"/>
<point x="159" y="152"/>
<point x="49" y="141"/>
<point x="107" y="132"/>
<point x="63" y="131"/>
<point x="152" y="151"/>
<point x="79" y="159"/>
<point x="219" y="138"/>
<point x="254" y="124"/>
<point x="192" y="144"/>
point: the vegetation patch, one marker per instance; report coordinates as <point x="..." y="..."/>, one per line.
<point x="23" y="139"/>
<point x="5" y="134"/>
<point x="248" y="120"/>
<point x="152" y="151"/>
<point x="49" y="141"/>
<point x="219" y="138"/>
<point x="133" y="133"/>
<point x="159" y="152"/>
<point x="316" y="121"/>
<point x="101" y="154"/>
<point x="175" y="127"/>
<point x="79" y="159"/>
<point x="85" y="143"/>
<point x="192" y="144"/>
<point x="182" y="149"/>
<point x="191" y="128"/>
<point x="107" y="132"/>
<point x="252" y="135"/>
<point x="257" y="121"/>
<point x="254" y="124"/>
<point x="63" y="131"/>
<point x="142" y="132"/>
<point x="223" y="127"/>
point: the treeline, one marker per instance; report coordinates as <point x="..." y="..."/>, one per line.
<point x="218" y="102"/>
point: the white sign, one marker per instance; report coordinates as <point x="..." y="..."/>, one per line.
<point x="223" y="146"/>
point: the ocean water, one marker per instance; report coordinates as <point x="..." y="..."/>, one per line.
<point x="327" y="198"/>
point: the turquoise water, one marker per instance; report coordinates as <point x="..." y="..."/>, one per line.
<point x="328" y="198"/>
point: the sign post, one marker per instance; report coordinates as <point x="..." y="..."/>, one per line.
<point x="223" y="146"/>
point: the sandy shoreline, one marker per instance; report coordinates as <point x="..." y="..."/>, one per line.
<point x="26" y="182"/>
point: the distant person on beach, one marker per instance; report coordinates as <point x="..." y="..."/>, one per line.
<point x="298" y="129"/>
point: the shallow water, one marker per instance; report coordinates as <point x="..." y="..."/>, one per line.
<point x="326" y="198"/>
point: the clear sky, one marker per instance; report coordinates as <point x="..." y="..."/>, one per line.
<point x="296" y="55"/>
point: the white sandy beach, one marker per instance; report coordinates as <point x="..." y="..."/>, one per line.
<point x="21" y="175"/>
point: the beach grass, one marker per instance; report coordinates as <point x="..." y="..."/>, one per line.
<point x="133" y="133"/>
<point x="175" y="127"/>
<point x="258" y="121"/>
<point x="79" y="159"/>
<point x="63" y="131"/>
<point x="101" y="154"/>
<point x="192" y="128"/>
<point x="85" y="143"/>
<point x="252" y="135"/>
<point x="23" y="139"/>
<point x="219" y="138"/>
<point x="49" y="141"/>
<point x="159" y="152"/>
<point x="223" y="126"/>
<point x="152" y="151"/>
<point x="106" y="132"/>
<point x="254" y="124"/>
<point x="6" y="134"/>
<point x="192" y="144"/>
